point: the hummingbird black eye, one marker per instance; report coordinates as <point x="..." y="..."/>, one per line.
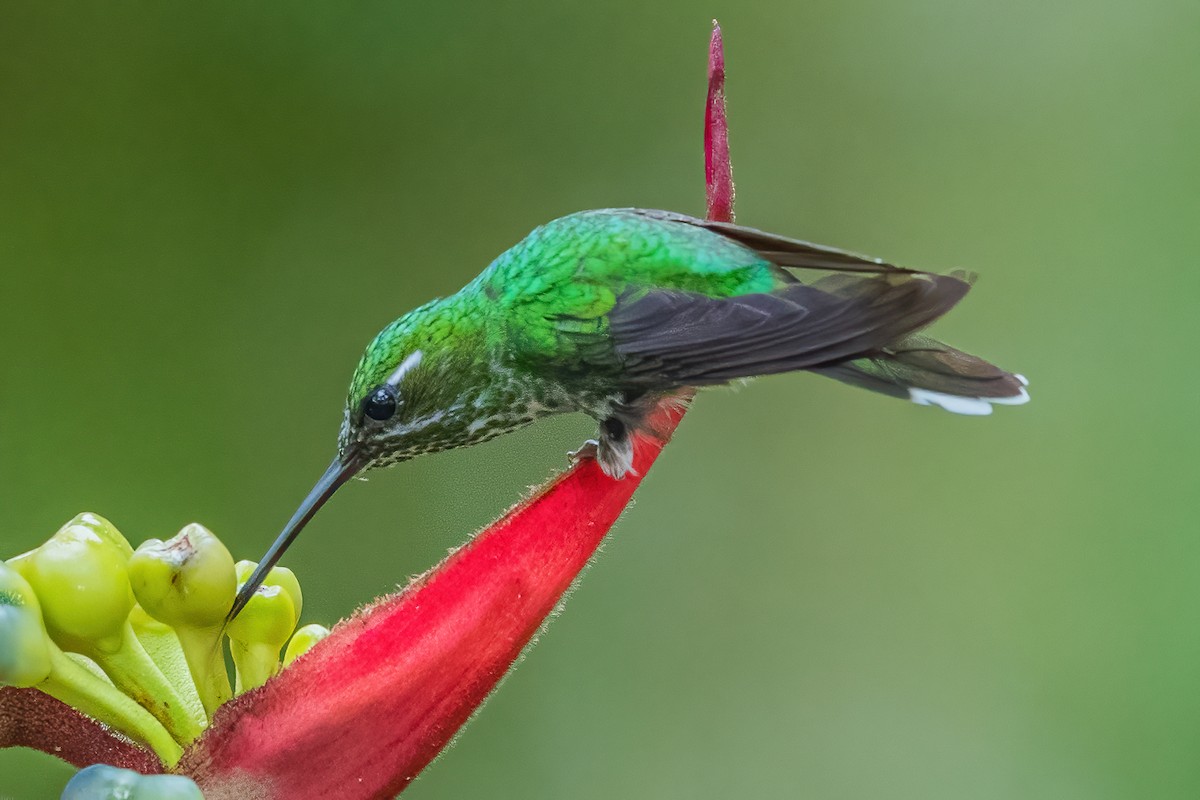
<point x="380" y="403"/>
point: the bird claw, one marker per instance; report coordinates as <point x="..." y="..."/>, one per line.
<point x="588" y="450"/>
<point x="615" y="457"/>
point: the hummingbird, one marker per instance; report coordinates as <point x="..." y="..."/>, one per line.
<point x="607" y="312"/>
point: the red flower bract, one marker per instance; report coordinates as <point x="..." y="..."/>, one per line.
<point x="364" y="711"/>
<point x="718" y="168"/>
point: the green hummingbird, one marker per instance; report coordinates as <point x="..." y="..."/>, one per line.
<point x="605" y="312"/>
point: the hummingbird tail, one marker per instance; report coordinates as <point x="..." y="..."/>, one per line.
<point x="929" y="372"/>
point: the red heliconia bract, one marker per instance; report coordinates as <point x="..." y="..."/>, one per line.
<point x="718" y="168"/>
<point x="364" y="711"/>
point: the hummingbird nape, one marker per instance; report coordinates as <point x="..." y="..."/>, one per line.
<point x="606" y="312"/>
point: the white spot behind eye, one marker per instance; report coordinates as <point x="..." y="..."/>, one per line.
<point x="406" y="366"/>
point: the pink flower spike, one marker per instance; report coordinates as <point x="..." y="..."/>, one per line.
<point x="718" y="169"/>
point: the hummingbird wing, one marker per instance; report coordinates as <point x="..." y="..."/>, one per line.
<point x="782" y="250"/>
<point x="666" y="337"/>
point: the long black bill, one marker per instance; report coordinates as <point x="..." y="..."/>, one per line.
<point x="338" y="473"/>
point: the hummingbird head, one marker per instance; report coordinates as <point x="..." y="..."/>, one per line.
<point x="410" y="391"/>
<point x="377" y="423"/>
<point x="407" y="398"/>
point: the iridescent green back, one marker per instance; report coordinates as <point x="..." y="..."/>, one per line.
<point x="556" y="287"/>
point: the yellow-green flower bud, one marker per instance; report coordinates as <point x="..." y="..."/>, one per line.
<point x="81" y="580"/>
<point x="189" y="582"/>
<point x="189" y="579"/>
<point x="258" y="633"/>
<point x="24" y="644"/>
<point x="278" y="576"/>
<point x="303" y="640"/>
<point x="16" y="561"/>
<point x="88" y="522"/>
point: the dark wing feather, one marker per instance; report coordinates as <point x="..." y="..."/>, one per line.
<point x="681" y="338"/>
<point x="781" y="250"/>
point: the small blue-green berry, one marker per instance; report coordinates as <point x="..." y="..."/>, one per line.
<point x="102" y="782"/>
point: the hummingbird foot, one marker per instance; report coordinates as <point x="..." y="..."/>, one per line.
<point x="614" y="453"/>
<point x="588" y="450"/>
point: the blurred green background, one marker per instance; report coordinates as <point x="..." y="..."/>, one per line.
<point x="206" y="210"/>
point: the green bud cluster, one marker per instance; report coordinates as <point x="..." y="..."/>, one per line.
<point x="136" y="638"/>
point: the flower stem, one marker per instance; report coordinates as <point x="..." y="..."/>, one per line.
<point x="136" y="674"/>
<point x="163" y="646"/>
<point x="79" y="688"/>
<point x="206" y="661"/>
<point x="256" y="662"/>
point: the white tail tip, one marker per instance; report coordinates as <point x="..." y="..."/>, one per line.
<point x="971" y="406"/>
